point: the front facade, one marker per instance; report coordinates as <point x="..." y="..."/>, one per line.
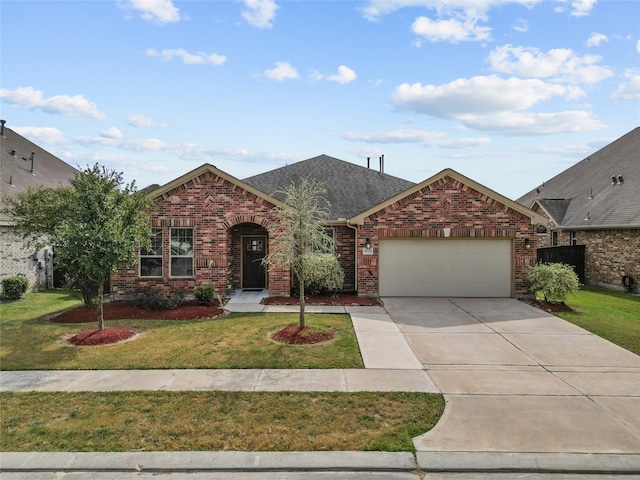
<point x="447" y="236"/>
<point x="596" y="203"/>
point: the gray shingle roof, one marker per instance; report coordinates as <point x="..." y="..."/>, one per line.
<point x="15" y="167"/>
<point x="351" y="189"/>
<point x="586" y="189"/>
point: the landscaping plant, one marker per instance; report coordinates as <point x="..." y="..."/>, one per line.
<point x="14" y="287"/>
<point x="556" y="281"/>
<point x="205" y="294"/>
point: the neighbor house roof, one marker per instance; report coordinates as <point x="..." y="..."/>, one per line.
<point x="351" y="189"/>
<point x="600" y="191"/>
<point x="534" y="217"/>
<point x="16" y="167"/>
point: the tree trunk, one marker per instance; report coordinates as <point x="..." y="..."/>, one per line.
<point x="301" y="288"/>
<point x="100" y="309"/>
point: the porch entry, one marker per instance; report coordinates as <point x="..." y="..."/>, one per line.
<point x="254" y="249"/>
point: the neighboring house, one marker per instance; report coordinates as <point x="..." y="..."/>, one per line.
<point x="596" y="203"/>
<point x="23" y="164"/>
<point x="446" y="236"/>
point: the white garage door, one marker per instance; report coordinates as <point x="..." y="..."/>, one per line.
<point x="445" y="267"/>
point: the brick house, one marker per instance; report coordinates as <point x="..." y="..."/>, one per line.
<point x="446" y="236"/>
<point x="24" y="164"/>
<point x="596" y="203"/>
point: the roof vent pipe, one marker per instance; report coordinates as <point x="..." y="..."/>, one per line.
<point x="2" y="122"/>
<point x="368" y="162"/>
<point x="382" y="163"/>
<point x="11" y="181"/>
<point x="614" y="180"/>
<point x="620" y="179"/>
<point x="33" y="161"/>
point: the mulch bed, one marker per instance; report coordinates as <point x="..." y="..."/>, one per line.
<point x="548" y="306"/>
<point x="294" y="335"/>
<point x="101" y="337"/>
<point x="127" y="310"/>
<point x="341" y="299"/>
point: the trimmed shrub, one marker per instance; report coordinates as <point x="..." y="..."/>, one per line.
<point x="205" y="294"/>
<point x="149" y="298"/>
<point x="323" y="273"/>
<point x="14" y="287"/>
<point x="556" y="281"/>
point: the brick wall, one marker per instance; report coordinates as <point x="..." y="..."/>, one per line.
<point x="18" y="259"/>
<point x="451" y="204"/>
<point x="212" y="206"/>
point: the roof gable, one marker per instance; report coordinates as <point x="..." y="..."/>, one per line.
<point x="489" y="194"/>
<point x="594" y="199"/>
<point x="351" y="188"/>
<point x="176" y="185"/>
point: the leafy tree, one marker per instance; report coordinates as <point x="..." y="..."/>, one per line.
<point x="96" y="226"/>
<point x="302" y="235"/>
<point x="556" y="281"/>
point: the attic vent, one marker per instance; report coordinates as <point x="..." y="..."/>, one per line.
<point x="614" y="180"/>
<point x="13" y="152"/>
<point x="620" y="179"/>
<point x="617" y="180"/>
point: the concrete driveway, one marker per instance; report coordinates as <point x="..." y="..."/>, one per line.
<point x="519" y="380"/>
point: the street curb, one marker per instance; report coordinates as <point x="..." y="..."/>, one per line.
<point x="207" y="461"/>
<point x="580" y="463"/>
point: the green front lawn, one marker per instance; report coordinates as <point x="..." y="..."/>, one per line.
<point x="31" y="342"/>
<point x="609" y="314"/>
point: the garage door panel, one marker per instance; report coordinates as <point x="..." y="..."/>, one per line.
<point x="445" y="268"/>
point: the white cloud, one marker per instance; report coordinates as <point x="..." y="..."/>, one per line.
<point x="65" y="105"/>
<point x="423" y="137"/>
<point x="638" y="46"/>
<point x="521" y="26"/>
<point x="187" y="58"/>
<point x="582" y="7"/>
<point x="596" y="39"/>
<point x="42" y="135"/>
<point x="282" y="71"/>
<point x="112" y="132"/>
<point x="259" y="13"/>
<point x="160" y="12"/>
<point x="559" y="64"/>
<point x="452" y="30"/>
<point x="140" y="121"/>
<point x="344" y="75"/>
<point x="523" y="124"/>
<point x="477" y="95"/>
<point x="629" y="90"/>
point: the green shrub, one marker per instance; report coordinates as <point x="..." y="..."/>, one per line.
<point x="323" y="273"/>
<point x="556" y="281"/>
<point x="149" y="298"/>
<point x="205" y="294"/>
<point x="14" y="287"/>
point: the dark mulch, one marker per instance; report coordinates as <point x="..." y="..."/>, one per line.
<point x="101" y="337"/>
<point x="294" y="335"/>
<point x="341" y="299"/>
<point x="548" y="306"/>
<point x="127" y="310"/>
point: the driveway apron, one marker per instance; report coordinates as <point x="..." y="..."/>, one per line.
<point x="518" y="380"/>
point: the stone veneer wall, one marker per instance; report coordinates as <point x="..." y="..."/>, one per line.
<point x="211" y="206"/>
<point x="18" y="259"/>
<point x="611" y="254"/>
<point x="446" y="203"/>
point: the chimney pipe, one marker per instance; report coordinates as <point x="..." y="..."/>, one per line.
<point x="2" y="122"/>
<point x="33" y="155"/>
<point x="382" y="163"/>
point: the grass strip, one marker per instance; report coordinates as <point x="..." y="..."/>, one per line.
<point x="609" y="314"/>
<point x="239" y="340"/>
<point x="211" y="421"/>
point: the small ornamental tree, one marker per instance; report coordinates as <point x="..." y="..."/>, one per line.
<point x="302" y="234"/>
<point x="556" y="281"/>
<point x="96" y="226"/>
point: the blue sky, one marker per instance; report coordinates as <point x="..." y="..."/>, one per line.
<point x="508" y="93"/>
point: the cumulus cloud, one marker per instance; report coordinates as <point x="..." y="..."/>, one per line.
<point x="531" y="124"/>
<point x="140" y="121"/>
<point x="422" y="137"/>
<point x="112" y="132"/>
<point x="595" y="39"/>
<point x="160" y="12"/>
<point x="187" y="58"/>
<point x="66" y="105"/>
<point x="580" y="8"/>
<point x="259" y="13"/>
<point x="630" y="90"/>
<point x="42" y="135"/>
<point x="452" y="30"/>
<point x="282" y="71"/>
<point x="344" y="75"/>
<point x="558" y="64"/>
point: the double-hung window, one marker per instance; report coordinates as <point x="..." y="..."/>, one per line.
<point x="151" y="259"/>
<point x="182" y="252"/>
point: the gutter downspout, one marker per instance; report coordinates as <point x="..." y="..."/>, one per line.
<point x="355" y="245"/>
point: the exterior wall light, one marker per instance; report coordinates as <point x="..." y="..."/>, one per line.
<point x="367" y="243"/>
<point x="527" y="243"/>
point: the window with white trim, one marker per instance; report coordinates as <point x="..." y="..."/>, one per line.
<point x="151" y="259"/>
<point x="181" y="252"/>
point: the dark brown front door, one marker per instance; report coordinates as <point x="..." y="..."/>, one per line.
<point x="253" y="251"/>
